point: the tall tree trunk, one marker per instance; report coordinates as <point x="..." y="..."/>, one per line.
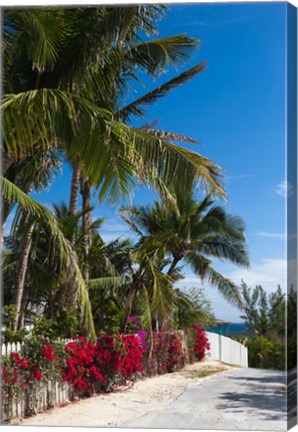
<point x="129" y="300"/>
<point x="74" y="190"/>
<point x="7" y="161"/>
<point x="87" y="220"/>
<point x="169" y="323"/>
<point x="128" y="307"/>
<point x="173" y="265"/>
<point x="22" y="270"/>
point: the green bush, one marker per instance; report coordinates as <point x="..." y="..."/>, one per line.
<point x="266" y="353"/>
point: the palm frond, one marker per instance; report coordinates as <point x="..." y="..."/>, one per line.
<point x="156" y="157"/>
<point x="137" y="107"/>
<point x="46" y="116"/>
<point x="67" y="256"/>
<point x="40" y="31"/>
<point x="153" y="55"/>
<point x="226" y="249"/>
<point x="82" y="296"/>
<point x="229" y="290"/>
<point x="15" y="195"/>
<point x="169" y="136"/>
<point x="105" y="282"/>
<point x="160" y="292"/>
<point x="144" y="307"/>
<point x="198" y="263"/>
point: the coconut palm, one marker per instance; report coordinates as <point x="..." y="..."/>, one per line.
<point x="195" y="235"/>
<point x="49" y="283"/>
<point x="57" y="93"/>
<point x="62" y="89"/>
<point x="73" y="109"/>
<point x="34" y="172"/>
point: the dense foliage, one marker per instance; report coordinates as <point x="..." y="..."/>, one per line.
<point x="264" y="316"/>
<point x="66" y="75"/>
<point x="67" y="72"/>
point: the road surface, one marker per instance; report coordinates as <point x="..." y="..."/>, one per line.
<point x="237" y="399"/>
<point x="240" y="399"/>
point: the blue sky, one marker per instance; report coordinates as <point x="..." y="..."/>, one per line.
<point x="236" y="108"/>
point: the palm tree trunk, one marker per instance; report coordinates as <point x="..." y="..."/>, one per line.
<point x="7" y="161"/>
<point x="129" y="300"/>
<point x="22" y="270"/>
<point x="128" y="307"/>
<point x="87" y="220"/>
<point x="170" y="273"/>
<point x="74" y="190"/>
<point x="173" y="265"/>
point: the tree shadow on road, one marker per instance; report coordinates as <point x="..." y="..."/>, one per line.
<point x="265" y="394"/>
<point x="272" y="377"/>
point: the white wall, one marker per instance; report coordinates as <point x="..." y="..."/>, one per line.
<point x="227" y="350"/>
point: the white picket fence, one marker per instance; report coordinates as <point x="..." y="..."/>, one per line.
<point x="227" y="350"/>
<point x="6" y="349"/>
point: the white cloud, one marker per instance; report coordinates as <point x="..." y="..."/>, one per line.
<point x="269" y="273"/>
<point x="113" y="229"/>
<point x="284" y="189"/>
<point x="278" y="236"/>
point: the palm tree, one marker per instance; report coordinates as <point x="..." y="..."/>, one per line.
<point x="195" y="234"/>
<point x="67" y="91"/>
<point x="110" y="267"/>
<point x="34" y="172"/>
<point x="56" y="93"/>
<point x="49" y="283"/>
<point x="60" y="80"/>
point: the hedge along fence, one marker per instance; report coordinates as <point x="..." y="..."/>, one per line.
<point x="45" y="374"/>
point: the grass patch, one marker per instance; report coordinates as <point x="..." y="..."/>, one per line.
<point x="202" y="373"/>
<point x="231" y="365"/>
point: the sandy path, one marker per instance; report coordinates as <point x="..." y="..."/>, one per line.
<point x="121" y="406"/>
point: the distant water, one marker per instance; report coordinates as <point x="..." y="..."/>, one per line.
<point x="232" y="329"/>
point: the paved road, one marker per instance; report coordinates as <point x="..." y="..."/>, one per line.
<point x="241" y="399"/>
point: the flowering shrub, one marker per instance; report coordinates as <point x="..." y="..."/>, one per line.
<point x="13" y="376"/>
<point x="131" y="356"/>
<point x="48" y="352"/>
<point x="93" y="367"/>
<point x="167" y="353"/>
<point x="81" y="369"/>
<point x="176" y="354"/>
<point x="107" y="358"/>
<point x="34" y="364"/>
<point x="197" y="342"/>
<point x="201" y="343"/>
<point x="45" y="359"/>
<point x="21" y="372"/>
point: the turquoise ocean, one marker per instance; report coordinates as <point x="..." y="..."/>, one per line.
<point x="233" y="329"/>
